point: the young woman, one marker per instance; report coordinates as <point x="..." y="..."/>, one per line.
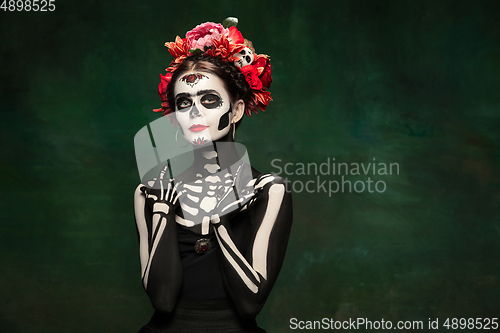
<point x="212" y="239"/>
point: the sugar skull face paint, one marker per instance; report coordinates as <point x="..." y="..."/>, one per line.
<point x="202" y="107"/>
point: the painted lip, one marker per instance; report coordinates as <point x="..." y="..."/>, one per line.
<point x="197" y="128"/>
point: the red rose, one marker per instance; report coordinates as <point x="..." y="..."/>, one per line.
<point x="162" y="87"/>
<point x="264" y="67"/>
<point x="266" y="77"/>
<point x="162" y="92"/>
<point x="253" y="80"/>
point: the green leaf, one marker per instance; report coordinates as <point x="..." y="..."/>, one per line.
<point x="196" y="52"/>
<point x="230" y="22"/>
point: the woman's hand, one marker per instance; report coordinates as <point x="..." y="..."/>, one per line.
<point x="232" y="199"/>
<point x="163" y="196"/>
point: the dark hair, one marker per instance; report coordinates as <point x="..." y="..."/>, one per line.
<point x="234" y="80"/>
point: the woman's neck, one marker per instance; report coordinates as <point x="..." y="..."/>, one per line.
<point x="215" y="156"/>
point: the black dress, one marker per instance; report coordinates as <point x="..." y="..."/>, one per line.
<point x="203" y="304"/>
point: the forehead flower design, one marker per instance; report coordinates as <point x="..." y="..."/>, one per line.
<point x="226" y="42"/>
<point x="192" y="79"/>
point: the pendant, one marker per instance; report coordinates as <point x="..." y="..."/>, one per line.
<point x="202" y="245"/>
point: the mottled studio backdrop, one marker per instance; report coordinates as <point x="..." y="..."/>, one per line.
<point x="413" y="83"/>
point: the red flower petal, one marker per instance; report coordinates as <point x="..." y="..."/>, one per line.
<point x="235" y="36"/>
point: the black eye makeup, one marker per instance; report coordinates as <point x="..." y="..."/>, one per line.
<point x="211" y="101"/>
<point x="183" y="103"/>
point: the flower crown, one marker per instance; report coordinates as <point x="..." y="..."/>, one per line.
<point x="226" y="42"/>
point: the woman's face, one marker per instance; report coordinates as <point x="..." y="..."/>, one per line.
<point x="202" y="107"/>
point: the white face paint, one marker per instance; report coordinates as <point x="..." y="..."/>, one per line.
<point x="201" y="107"/>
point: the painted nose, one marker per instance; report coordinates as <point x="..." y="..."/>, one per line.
<point x="194" y="112"/>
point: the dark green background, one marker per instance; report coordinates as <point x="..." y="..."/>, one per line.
<point x="409" y="82"/>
